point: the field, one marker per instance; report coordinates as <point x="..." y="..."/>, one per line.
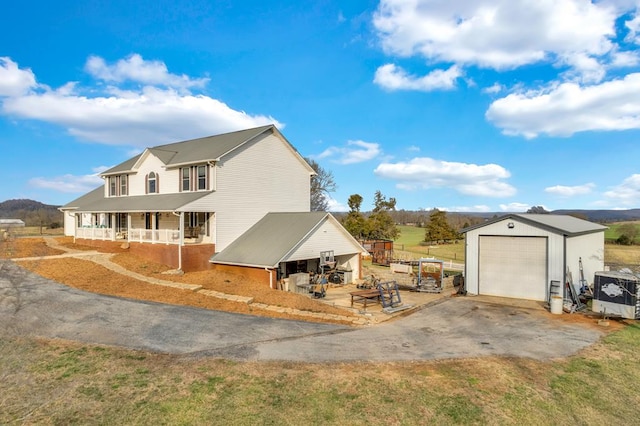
<point x="60" y="382"/>
<point x="408" y="245"/>
<point x="613" y="232"/>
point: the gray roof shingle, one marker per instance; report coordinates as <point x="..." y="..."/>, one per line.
<point x="269" y="241"/>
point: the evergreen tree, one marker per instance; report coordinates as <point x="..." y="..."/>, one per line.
<point x="438" y="228"/>
<point x="380" y="223"/>
<point x="354" y="222"/>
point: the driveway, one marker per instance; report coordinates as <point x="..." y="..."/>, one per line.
<point x="456" y="328"/>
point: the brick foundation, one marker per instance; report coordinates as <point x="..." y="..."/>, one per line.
<point x="194" y="257"/>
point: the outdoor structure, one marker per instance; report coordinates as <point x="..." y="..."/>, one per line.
<point x="180" y="203"/>
<point x="518" y="255"/>
<point x="6" y="225"/>
<point x="284" y="244"/>
<point x="381" y="251"/>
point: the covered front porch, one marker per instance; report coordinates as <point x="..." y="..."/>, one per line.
<point x="147" y="227"/>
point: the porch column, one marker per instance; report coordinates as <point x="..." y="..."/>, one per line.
<point x="181" y="242"/>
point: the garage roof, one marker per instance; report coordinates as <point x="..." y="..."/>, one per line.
<point x="560" y="224"/>
<point x="268" y="242"/>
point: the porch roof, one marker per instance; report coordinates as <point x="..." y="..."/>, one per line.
<point x="96" y="202"/>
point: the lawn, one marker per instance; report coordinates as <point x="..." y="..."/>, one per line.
<point x="60" y="382"/>
<point x="57" y="382"/>
<point x="409" y="245"/>
<point x="613" y="232"/>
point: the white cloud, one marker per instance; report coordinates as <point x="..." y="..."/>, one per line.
<point x="69" y="183"/>
<point x="498" y="34"/>
<point x="568" y="108"/>
<point x="355" y="152"/>
<point x="627" y="194"/>
<point x="336" y="206"/>
<point x="13" y="80"/>
<point x="392" y="77"/>
<point x="515" y="207"/>
<point x="135" y="68"/>
<point x="570" y="191"/>
<point x="135" y="117"/>
<point x="469" y="179"/>
<point x="495" y="88"/>
<point x="469" y="209"/>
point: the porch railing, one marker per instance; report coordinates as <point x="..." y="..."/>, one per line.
<point x="162" y="236"/>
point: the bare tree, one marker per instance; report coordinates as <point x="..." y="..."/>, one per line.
<point x="321" y="185"/>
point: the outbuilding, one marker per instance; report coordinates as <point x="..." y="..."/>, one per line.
<point x="519" y="255"/>
<point x="283" y="244"/>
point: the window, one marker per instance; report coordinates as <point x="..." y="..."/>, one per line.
<point x="202" y="177"/>
<point x="152" y="183"/>
<point x="186" y="179"/>
<point x="123" y="184"/>
<point x="113" y="186"/>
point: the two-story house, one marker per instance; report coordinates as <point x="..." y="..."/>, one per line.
<point x="183" y="202"/>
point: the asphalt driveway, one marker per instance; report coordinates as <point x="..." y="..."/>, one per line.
<point x="460" y="327"/>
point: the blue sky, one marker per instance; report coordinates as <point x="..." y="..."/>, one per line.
<point x="464" y="106"/>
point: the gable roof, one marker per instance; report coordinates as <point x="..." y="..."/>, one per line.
<point x="96" y="202"/>
<point x="210" y="148"/>
<point x="559" y="224"/>
<point x="274" y="237"/>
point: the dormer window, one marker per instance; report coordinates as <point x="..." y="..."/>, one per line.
<point x="152" y="183"/>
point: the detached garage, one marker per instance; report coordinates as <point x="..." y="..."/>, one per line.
<point x="518" y="255"/>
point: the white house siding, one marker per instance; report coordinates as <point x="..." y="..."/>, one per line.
<point x="589" y="247"/>
<point x="325" y="238"/>
<point x="69" y="223"/>
<point x="151" y="163"/>
<point x="555" y="249"/>
<point x="260" y="177"/>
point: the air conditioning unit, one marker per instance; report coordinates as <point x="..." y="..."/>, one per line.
<point x="616" y="294"/>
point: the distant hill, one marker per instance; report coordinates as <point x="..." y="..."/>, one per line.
<point x="33" y="213"/>
<point x="600" y="216"/>
<point x="604" y="215"/>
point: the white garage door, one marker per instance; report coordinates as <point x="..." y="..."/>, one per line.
<point x="513" y="267"/>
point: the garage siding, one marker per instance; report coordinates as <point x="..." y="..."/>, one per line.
<point x="513" y="267"/>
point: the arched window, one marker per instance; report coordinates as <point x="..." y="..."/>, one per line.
<point x="152" y="183"/>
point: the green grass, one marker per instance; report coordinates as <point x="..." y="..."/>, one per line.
<point x="613" y="231"/>
<point x="66" y="383"/>
<point x="410" y="244"/>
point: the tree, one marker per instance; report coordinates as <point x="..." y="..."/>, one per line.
<point x="380" y="223"/>
<point x="537" y="210"/>
<point x="438" y="228"/>
<point x="627" y="234"/>
<point x="354" y="222"/>
<point x="321" y="185"/>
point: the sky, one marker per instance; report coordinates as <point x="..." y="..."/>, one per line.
<point x="483" y="106"/>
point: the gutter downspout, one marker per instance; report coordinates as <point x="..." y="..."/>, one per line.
<point x="181" y="241"/>
<point x="564" y="265"/>
<point x="270" y="277"/>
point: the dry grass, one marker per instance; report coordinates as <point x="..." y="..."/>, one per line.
<point x="61" y="382"/>
<point x="17" y="247"/>
<point x="88" y="276"/>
